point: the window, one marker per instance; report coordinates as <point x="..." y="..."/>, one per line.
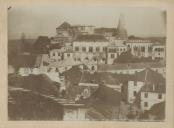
<point x="54" y="54"/>
<point x="145" y="104"/>
<point x="135" y="48"/>
<point x="68" y="55"/>
<point x="143" y="49"/>
<point x="79" y="59"/>
<point x="97" y="49"/>
<point x="57" y="70"/>
<point x="159" y="96"/>
<point x="104" y="49"/>
<point x="113" y="50"/>
<point x="84" y="49"/>
<point x="150" y="49"/>
<point x="90" y="49"/>
<point x="146" y="95"/>
<point x="135" y="93"/>
<point x="76" y="49"/>
<point x="135" y="83"/>
<point x="112" y="56"/>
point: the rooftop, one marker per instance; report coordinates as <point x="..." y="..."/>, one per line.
<point x="64" y="63"/>
<point x="55" y="46"/>
<point x="149" y="76"/>
<point x="158" y="88"/>
<point x="64" y="25"/>
<point x="108" y="95"/>
<point x="125" y="66"/>
<point x="102" y="30"/>
<point x="138" y="41"/>
<point x="98" y="78"/>
<point x="91" y="38"/>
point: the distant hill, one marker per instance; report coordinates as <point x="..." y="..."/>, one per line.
<point x="26" y="105"/>
<point x="29" y="98"/>
<point x="36" y="83"/>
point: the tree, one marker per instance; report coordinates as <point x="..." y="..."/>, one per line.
<point x="124" y="57"/>
<point x="41" y="45"/>
<point x="25" y="46"/>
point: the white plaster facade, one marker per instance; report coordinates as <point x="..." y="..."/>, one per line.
<point x="89" y="50"/>
<point x="148" y="99"/>
<point x="133" y="89"/>
<point x="140" y="48"/>
<point x="75" y="114"/>
<point x="159" y="52"/>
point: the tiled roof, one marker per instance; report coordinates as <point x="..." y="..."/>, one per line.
<point x="64" y="25"/>
<point x="55" y="46"/>
<point x="159" y="88"/>
<point x="69" y="51"/>
<point x="149" y="76"/>
<point x="102" y="30"/>
<point x="91" y="38"/>
<point x="139" y="41"/>
<point x="97" y="78"/>
<point x="117" y="45"/>
<point x="64" y="63"/>
<point x="108" y="95"/>
<point x="83" y="26"/>
<point x="122" y="66"/>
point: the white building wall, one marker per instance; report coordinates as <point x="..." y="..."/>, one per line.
<point x="132" y="87"/>
<point x="74" y="114"/>
<point x="151" y="99"/>
<point x="68" y="55"/>
<point x="140" y="44"/>
<point x="89" y="44"/>
<point x="124" y="71"/>
<point x="55" y="54"/>
<point x="159" y="54"/>
<point x="24" y="71"/>
<point x="110" y="60"/>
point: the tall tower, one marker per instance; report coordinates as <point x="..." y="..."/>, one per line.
<point x="121" y="30"/>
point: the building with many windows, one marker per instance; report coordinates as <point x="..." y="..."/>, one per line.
<point x="140" y="48"/>
<point x="90" y="47"/>
<point x="144" y="81"/>
<point x="151" y="94"/>
<point x="114" y="50"/>
<point x="159" y="51"/>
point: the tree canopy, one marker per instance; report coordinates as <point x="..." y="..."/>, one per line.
<point x="41" y="45"/>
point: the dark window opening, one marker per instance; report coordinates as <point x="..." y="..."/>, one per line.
<point x="145" y="104"/>
<point x="145" y="95"/>
<point x="159" y="96"/>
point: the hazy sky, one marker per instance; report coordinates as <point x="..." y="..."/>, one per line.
<point x="42" y="20"/>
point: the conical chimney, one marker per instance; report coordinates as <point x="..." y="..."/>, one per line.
<point x="121" y="30"/>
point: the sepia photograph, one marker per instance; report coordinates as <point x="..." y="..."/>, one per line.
<point x="87" y="63"/>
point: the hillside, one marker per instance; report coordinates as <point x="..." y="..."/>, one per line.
<point x="26" y="105"/>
